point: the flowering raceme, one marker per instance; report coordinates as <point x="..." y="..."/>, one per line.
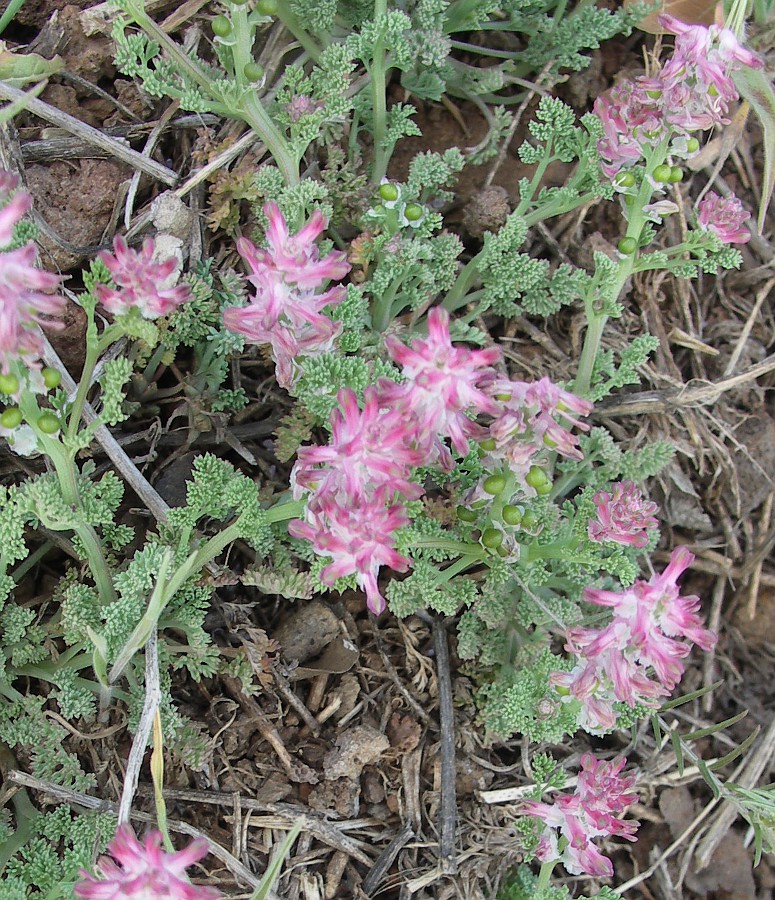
<point x="286" y="310"/>
<point x="141" y="281"/>
<point x="692" y="92"/>
<point x="26" y="301"/>
<point x="573" y="821"/>
<point x="144" y="871"/>
<point x="613" y="663"/>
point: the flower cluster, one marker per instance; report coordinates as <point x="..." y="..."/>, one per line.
<point x="26" y="301"/>
<point x="692" y="92"/>
<point x="286" y="310"/>
<point x="573" y="821"/>
<point x="144" y="871"/>
<point x="142" y="282"/>
<point x="614" y="663"/>
<point x="623" y="516"/>
<point x="357" y="484"/>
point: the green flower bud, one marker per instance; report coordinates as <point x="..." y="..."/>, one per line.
<point x="51" y="378"/>
<point x="11" y="417"/>
<point x="48" y="423"/>
<point x="413" y="212"/>
<point x="512" y="515"/>
<point x="494" y="484"/>
<point x="662" y="173"/>
<point x="492" y="538"/>
<point x="627" y="246"/>
<point x="221" y="26"/>
<point x="9" y="384"/>
<point x="388" y="192"/>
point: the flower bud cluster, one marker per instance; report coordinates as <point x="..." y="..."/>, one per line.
<point x="623" y="516"/>
<point x="286" y="310"/>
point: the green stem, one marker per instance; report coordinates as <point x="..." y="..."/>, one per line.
<point x="544" y="876"/>
<point x="258" y="118"/>
<point x="458" y="294"/>
<point x="76" y="412"/>
<point x="378" y="73"/>
<point x="291" y="21"/>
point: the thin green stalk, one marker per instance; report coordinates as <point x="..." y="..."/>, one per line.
<point x="378" y="72"/>
<point x="544" y="876"/>
<point x="259" y="120"/>
<point x="291" y="21"/>
<point x="457" y="296"/>
<point x="76" y="412"/>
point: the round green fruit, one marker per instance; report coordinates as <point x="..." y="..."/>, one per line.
<point x="9" y="384"/>
<point x="267" y="7"/>
<point x="51" y="378"/>
<point x="663" y="173"/>
<point x="529" y="519"/>
<point x="221" y="26"/>
<point x="253" y="72"/>
<point x="494" y="484"/>
<point x="627" y="246"/>
<point x="413" y="212"/>
<point x="48" y="423"/>
<point x="676" y="174"/>
<point x="536" y="477"/>
<point x="388" y="192"/>
<point x="492" y="538"/>
<point x="512" y="515"/>
<point x="11" y="417"/>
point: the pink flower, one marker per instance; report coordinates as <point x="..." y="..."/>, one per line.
<point x="443" y="384"/>
<point x="370" y="452"/>
<point x="623" y="516"/>
<point x="26" y="300"/>
<point x="578" y="818"/>
<point x="359" y="539"/>
<point x="632" y="121"/>
<point x="296" y="258"/>
<point x="141" y="282"/>
<point x="725" y="217"/>
<point x="144" y="871"/>
<point x="286" y="310"/>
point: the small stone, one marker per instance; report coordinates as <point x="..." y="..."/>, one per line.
<point x="487" y="210"/>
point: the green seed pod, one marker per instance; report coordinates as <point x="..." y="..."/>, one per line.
<point x="488" y="444"/>
<point x="494" y="484"/>
<point x="536" y="477"/>
<point x="466" y="515"/>
<point x="48" y="423"/>
<point x="626" y="179"/>
<point x="221" y="26"/>
<point x="492" y="538"/>
<point x="253" y="72"/>
<point x="543" y="489"/>
<point x="627" y="246"/>
<point x="662" y="173"/>
<point x="676" y="174"/>
<point x="388" y="192"/>
<point x="692" y="145"/>
<point x="267" y="7"/>
<point x="11" y="417"/>
<point x="9" y="384"/>
<point x="512" y="515"/>
<point x="51" y="378"/>
<point x="413" y="212"/>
